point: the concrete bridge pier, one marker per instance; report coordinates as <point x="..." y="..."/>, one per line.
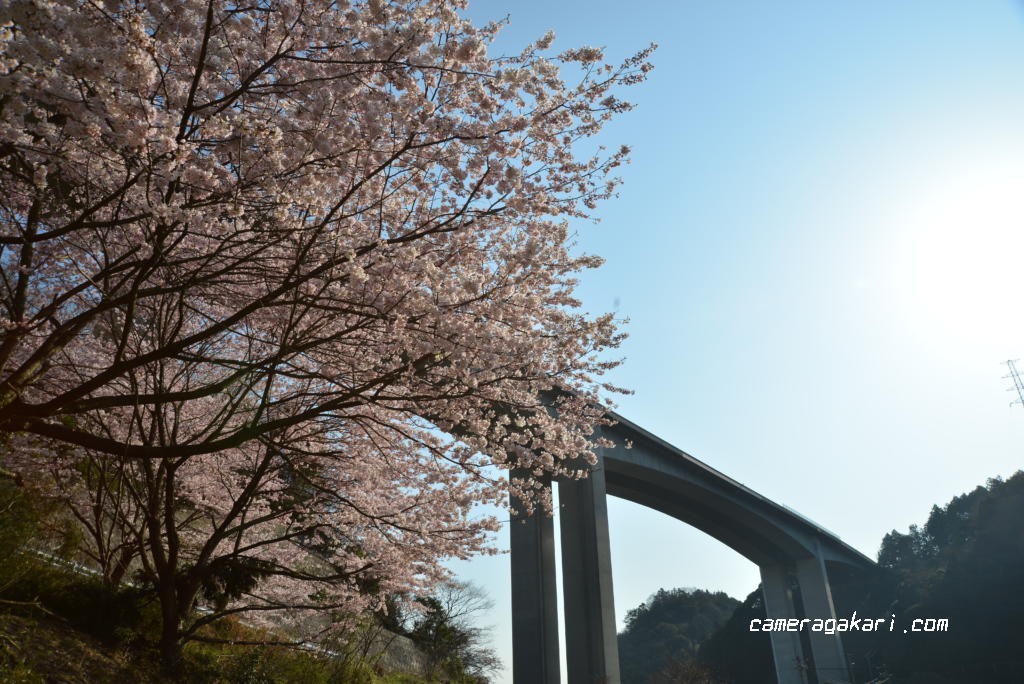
<point x="534" y="598"/>
<point x="776" y="587"/>
<point x="591" y="645"/>
<point x="802" y="591"/>
<point x="816" y="594"/>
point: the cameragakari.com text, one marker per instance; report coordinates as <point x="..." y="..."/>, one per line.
<point x="854" y="624"/>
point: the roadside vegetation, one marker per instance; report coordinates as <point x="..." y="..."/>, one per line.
<point x="60" y="622"/>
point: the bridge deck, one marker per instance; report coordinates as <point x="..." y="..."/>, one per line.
<point x="656" y="474"/>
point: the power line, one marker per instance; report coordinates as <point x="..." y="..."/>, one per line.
<point x="1018" y="385"/>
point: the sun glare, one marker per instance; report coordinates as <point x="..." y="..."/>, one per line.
<point x="959" y="252"/>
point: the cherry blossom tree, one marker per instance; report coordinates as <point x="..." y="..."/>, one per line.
<point x="295" y="276"/>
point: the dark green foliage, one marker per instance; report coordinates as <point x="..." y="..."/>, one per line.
<point x="35" y="580"/>
<point x="37" y="649"/>
<point x="735" y="653"/>
<point x="231" y="577"/>
<point x="122" y="617"/>
<point x="965" y="564"/>
<point x="446" y="633"/>
<point x="61" y="622"/>
<point x="441" y="639"/>
<point x="670" y="625"/>
<point x="121" y="629"/>
<point x="20" y="519"/>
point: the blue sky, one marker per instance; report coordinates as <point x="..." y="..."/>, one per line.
<point x="818" y="246"/>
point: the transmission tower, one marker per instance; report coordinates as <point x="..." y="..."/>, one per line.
<point x="1018" y="385"/>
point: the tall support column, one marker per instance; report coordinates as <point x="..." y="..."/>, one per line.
<point x="829" y="655"/>
<point x="534" y="598"/>
<point x="790" y="666"/>
<point x="592" y="652"/>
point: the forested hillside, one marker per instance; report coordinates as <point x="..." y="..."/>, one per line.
<point x="669" y="627"/>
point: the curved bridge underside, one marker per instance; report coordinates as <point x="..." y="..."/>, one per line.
<point x="792" y="552"/>
<point x="655" y="474"/>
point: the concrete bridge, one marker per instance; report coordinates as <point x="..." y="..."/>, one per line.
<point x="792" y="553"/>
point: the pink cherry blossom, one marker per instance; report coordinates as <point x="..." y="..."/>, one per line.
<point x="285" y="286"/>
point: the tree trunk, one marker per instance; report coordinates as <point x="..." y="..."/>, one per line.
<point x="170" y="645"/>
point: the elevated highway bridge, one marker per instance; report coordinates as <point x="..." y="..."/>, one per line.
<point x="793" y="553"/>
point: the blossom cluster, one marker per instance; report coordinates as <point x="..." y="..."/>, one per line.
<point x="301" y="268"/>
